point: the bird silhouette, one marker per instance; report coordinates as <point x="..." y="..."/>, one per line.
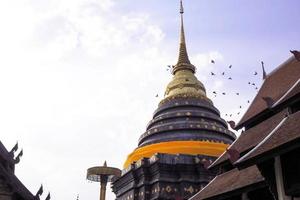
<point x="229" y="78"/>
<point x="211" y="73"/>
<point x="255" y="73"/>
<point x="256" y="88"/>
<point x="237" y="93"/>
<point x="212" y="61"/>
<point x="223" y="73"/>
<point x="253" y="84"/>
<point x="230" y="115"/>
<point x="230" y="66"/>
<point x="249" y="83"/>
<point x="224" y="93"/>
<point x="238" y="113"/>
<point x="214" y="92"/>
<point x="169" y="66"/>
<point x="156" y="95"/>
<point x="240" y="106"/>
<point x="248" y="101"/>
<point x="296" y="54"/>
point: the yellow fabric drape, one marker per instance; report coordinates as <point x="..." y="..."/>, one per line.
<point x="177" y="147"/>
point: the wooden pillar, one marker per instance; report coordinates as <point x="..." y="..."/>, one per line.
<point x="102" y="190"/>
<point x="279" y="180"/>
<point x="103" y="183"/>
<point x="245" y="196"/>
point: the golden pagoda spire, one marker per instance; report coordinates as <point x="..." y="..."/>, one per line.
<point x="183" y="62"/>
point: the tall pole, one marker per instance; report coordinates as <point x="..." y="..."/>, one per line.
<point x="103" y="184"/>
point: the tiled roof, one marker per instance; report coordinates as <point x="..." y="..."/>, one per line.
<point x="10" y="178"/>
<point x="4" y="154"/>
<point x="251" y="137"/>
<point x="286" y="132"/>
<point x="230" y="181"/>
<point x="293" y="91"/>
<point x="275" y="86"/>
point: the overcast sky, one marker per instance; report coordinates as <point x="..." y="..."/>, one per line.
<point x="78" y="78"/>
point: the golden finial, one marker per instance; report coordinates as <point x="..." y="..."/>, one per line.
<point x="183" y="58"/>
<point x="181" y="7"/>
<point x="184" y="83"/>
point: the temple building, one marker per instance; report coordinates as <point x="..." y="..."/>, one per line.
<point x="264" y="161"/>
<point x="11" y="188"/>
<point x="184" y="137"/>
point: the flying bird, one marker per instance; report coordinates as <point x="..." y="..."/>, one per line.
<point x="214" y="92"/>
<point x="240" y="106"/>
<point x="296" y="54"/>
<point x="249" y="83"/>
<point x="212" y="73"/>
<point x="224" y="93"/>
<point x="156" y="95"/>
<point x="230" y="66"/>
<point x="223" y="73"/>
<point x="238" y="113"/>
<point x="230" y="115"/>
<point x="169" y="66"/>
<point x="255" y="73"/>
<point x="230" y="78"/>
<point x="248" y="101"/>
<point x="237" y="93"/>
<point x="253" y="83"/>
<point x="212" y="61"/>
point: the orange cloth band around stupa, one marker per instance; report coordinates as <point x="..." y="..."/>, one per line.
<point x="177" y="147"/>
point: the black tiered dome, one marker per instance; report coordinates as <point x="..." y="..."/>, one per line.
<point x="182" y="119"/>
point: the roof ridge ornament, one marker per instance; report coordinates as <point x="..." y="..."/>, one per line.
<point x="264" y="71"/>
<point x="183" y="62"/>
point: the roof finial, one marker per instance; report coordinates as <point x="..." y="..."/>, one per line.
<point x="183" y="58"/>
<point x="264" y="71"/>
<point x="181" y="7"/>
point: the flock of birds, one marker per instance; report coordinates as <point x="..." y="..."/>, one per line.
<point x="229" y="78"/>
<point x="253" y="84"/>
<point x="223" y="74"/>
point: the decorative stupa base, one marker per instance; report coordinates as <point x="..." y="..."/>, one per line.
<point x="163" y="176"/>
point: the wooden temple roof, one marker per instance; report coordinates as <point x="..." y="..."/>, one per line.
<point x="228" y="184"/>
<point x="271" y="129"/>
<point x="251" y="137"/>
<point x="10" y="178"/>
<point x="281" y="138"/>
<point x="16" y="185"/>
<point x="5" y="155"/>
<point x="276" y="84"/>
